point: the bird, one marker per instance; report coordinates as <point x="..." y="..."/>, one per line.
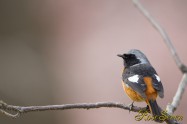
<point x="140" y="80"/>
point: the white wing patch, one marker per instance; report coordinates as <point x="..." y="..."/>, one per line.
<point x="157" y="77"/>
<point x="134" y="78"/>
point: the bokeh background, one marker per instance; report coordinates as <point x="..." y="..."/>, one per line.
<point x="64" y="51"/>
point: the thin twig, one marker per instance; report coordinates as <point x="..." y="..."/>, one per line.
<point x="163" y="33"/>
<point x="9" y="114"/>
<point x="183" y="68"/>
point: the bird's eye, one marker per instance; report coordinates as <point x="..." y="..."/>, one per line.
<point x="125" y="55"/>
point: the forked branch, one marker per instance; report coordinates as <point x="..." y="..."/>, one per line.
<point x="183" y="68"/>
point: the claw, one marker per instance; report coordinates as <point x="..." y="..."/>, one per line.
<point x="147" y="107"/>
<point x="131" y="106"/>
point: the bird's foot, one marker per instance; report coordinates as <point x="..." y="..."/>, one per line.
<point x="147" y="109"/>
<point x="131" y="106"/>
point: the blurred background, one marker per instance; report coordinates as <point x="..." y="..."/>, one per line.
<point x="64" y="51"/>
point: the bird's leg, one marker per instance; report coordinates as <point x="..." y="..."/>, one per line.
<point x="131" y="106"/>
<point x="147" y="109"/>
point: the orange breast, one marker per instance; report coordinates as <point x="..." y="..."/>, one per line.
<point x="150" y="92"/>
<point x="132" y="94"/>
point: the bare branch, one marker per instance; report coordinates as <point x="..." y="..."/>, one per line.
<point x="163" y="33"/>
<point x="183" y="68"/>
<point x="9" y="114"/>
<point x="21" y="109"/>
<point x="178" y="96"/>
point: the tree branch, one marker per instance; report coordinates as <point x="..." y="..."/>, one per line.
<point x="178" y="96"/>
<point x="20" y="109"/>
<point x="183" y="68"/>
<point x="163" y="33"/>
<point x="26" y="109"/>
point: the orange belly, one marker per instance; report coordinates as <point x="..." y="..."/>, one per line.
<point x="132" y="94"/>
<point x="150" y="92"/>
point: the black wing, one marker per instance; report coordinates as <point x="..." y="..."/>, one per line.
<point x="157" y="84"/>
<point x="143" y="70"/>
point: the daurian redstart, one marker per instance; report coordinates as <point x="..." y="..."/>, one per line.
<point x="140" y="80"/>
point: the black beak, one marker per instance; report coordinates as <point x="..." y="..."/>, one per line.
<point x="119" y="55"/>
